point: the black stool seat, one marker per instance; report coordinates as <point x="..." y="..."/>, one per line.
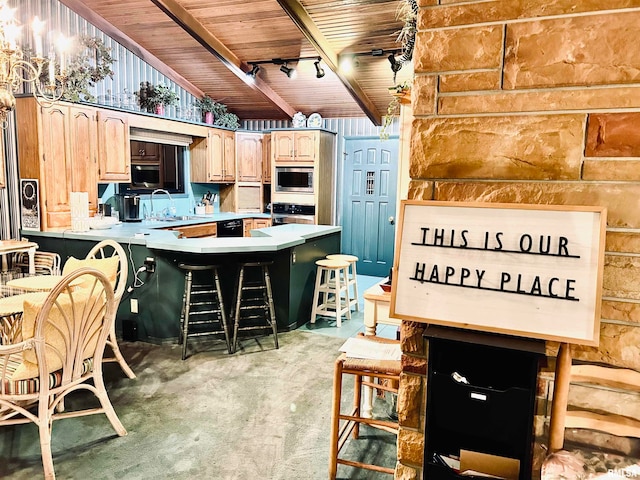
<point x="202" y="305"/>
<point x="254" y="308"/>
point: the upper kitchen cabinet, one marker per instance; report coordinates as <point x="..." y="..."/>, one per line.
<point x="249" y="157"/>
<point x="213" y="158"/>
<point x="114" y="159"/>
<point x="266" y="158"/>
<point x="58" y="147"/>
<point x="295" y="145"/>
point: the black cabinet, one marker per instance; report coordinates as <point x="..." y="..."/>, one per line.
<point x="481" y="392"/>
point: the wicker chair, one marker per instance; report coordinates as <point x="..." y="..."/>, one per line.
<point x="104" y="250"/>
<point x="61" y="352"/>
<point x="46" y="263"/>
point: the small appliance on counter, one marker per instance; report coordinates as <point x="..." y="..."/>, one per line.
<point x="129" y="207"/>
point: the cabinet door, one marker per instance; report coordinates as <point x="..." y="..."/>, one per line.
<point x="261" y="222"/>
<point x="215" y="152"/>
<point x="83" y="146"/>
<point x="229" y="156"/>
<point x="145" y="151"/>
<point x="282" y="146"/>
<point x="266" y="158"/>
<point x="249" y="157"/>
<point x="306" y="145"/>
<point x="247" y="226"/>
<point x="114" y="157"/>
<point x="56" y="172"/>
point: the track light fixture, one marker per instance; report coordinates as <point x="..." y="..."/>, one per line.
<point x="319" y="69"/>
<point x="288" y="71"/>
<point x="255" y="68"/>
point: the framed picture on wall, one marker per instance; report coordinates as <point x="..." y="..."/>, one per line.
<point x="29" y="204"/>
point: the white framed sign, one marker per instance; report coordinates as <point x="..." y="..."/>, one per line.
<point x="527" y="270"/>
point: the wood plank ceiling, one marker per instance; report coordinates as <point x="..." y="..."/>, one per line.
<point x="206" y="47"/>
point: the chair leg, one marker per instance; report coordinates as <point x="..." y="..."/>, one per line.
<point x="113" y="343"/>
<point x="44" y="430"/>
<point x="223" y="315"/>
<point x="101" y="393"/>
<point x="355" y="285"/>
<point x="316" y="293"/>
<point x="335" y="420"/>
<point x="185" y="322"/>
<point x="269" y="300"/>
<point x="236" y="321"/>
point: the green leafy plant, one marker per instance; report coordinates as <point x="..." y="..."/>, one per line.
<point x="89" y="65"/>
<point x="222" y="118"/>
<point x="393" y="109"/>
<point x="150" y="96"/>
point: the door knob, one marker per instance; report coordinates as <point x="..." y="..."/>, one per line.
<point x="392" y="220"/>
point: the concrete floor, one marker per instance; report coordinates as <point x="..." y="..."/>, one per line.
<point x="259" y="414"/>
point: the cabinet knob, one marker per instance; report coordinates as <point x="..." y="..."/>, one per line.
<point x="141" y="152"/>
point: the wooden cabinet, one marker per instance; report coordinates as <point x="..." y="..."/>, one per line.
<point x="261" y="223"/>
<point x="249" y="224"/>
<point x="311" y="149"/>
<point x="196" y="231"/>
<point x="249" y="157"/>
<point x="114" y="150"/>
<point x="145" y="151"/>
<point x="241" y="198"/>
<point x="266" y="158"/>
<point x="295" y="146"/>
<point x="58" y="147"/>
<point x="213" y="158"/>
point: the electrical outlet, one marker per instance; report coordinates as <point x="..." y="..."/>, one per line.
<point x="150" y="264"/>
<point x="134" y="305"/>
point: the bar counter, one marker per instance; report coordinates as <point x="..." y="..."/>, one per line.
<point x="293" y="248"/>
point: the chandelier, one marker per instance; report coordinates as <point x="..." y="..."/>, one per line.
<point x="18" y="67"/>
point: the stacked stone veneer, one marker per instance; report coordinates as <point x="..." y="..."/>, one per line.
<point x="530" y="102"/>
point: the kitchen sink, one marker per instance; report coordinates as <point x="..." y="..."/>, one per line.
<point x="174" y="219"/>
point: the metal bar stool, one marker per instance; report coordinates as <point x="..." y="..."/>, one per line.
<point x="350" y="276"/>
<point x="365" y="371"/>
<point x="329" y="291"/>
<point x="254" y="308"/>
<point x="202" y="305"/>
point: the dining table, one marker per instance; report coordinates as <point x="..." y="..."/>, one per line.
<point x="11" y="310"/>
<point x="8" y="247"/>
<point x="38" y="283"/>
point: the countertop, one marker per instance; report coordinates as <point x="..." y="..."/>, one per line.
<point x="153" y="235"/>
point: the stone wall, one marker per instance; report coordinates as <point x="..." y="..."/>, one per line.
<point x="530" y="102"/>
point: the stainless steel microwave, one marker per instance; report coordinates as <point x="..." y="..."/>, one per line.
<point x="294" y="179"/>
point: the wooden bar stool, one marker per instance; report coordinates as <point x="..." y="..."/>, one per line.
<point x="350" y="276"/>
<point x="202" y="306"/>
<point x="365" y="372"/>
<point x="254" y="309"/>
<point x="329" y="291"/>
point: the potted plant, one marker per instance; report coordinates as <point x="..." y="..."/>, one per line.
<point x="155" y="98"/>
<point x="207" y="106"/>
<point x="219" y="115"/>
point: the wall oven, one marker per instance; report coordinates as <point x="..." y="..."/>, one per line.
<point x="283" y="213"/>
<point x="293" y="179"/>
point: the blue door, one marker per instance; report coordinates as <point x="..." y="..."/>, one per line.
<point x="369" y="205"/>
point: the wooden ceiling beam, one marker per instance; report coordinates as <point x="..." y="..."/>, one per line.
<point x="90" y="16"/>
<point x="209" y="41"/>
<point x="309" y="29"/>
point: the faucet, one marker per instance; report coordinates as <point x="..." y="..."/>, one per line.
<point x="160" y="190"/>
